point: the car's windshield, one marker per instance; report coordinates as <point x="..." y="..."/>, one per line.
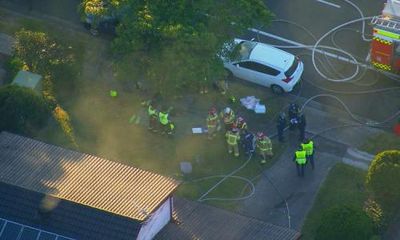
<point x="243" y="50"/>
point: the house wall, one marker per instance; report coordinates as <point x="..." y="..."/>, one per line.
<point x="157" y="221"/>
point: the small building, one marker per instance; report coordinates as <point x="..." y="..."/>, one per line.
<point x="48" y="192"/>
<point x="29" y="80"/>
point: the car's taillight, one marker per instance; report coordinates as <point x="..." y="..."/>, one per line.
<point x="287" y="79"/>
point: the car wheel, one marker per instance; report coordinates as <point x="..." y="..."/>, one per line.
<point x="277" y="89"/>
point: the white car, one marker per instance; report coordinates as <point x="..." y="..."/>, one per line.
<point x="264" y="65"/>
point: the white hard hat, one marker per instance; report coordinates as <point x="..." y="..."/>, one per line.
<point x="228" y="110"/>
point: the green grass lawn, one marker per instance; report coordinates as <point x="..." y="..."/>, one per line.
<point x="382" y="142"/>
<point x="344" y="185"/>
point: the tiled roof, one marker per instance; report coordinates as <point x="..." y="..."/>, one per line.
<point x="68" y="219"/>
<point x="203" y="222"/>
<point x="81" y="178"/>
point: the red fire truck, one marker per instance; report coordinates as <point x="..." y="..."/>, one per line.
<point x="385" y="46"/>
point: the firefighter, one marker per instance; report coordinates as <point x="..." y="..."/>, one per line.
<point x="212" y="122"/>
<point x="232" y="138"/>
<point x="240" y="124"/>
<point x="153" y="116"/>
<point x="264" y="146"/>
<point x="166" y="125"/>
<point x="281" y="125"/>
<point x="228" y="117"/>
<point x="293" y="114"/>
<point x="308" y="146"/>
<point x="300" y="159"/>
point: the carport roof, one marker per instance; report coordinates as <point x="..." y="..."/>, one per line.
<point x="82" y="178"/>
<point x="201" y="221"/>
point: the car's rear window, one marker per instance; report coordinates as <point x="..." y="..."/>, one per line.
<point x="292" y="68"/>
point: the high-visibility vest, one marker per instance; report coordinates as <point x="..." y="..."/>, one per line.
<point x="242" y="126"/>
<point x="308" y="147"/>
<point x="228" y="119"/>
<point x="301" y="157"/>
<point x="151" y="111"/>
<point x="232" y="138"/>
<point x="163" y="117"/>
<point x="212" y="120"/>
<point x="264" y="144"/>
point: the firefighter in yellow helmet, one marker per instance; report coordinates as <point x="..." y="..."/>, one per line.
<point x="264" y="146"/>
<point x="232" y="138"/>
<point x="228" y="117"/>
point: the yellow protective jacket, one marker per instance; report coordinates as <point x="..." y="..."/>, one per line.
<point x="212" y="120"/>
<point x="232" y="138"/>
<point x="264" y="144"/>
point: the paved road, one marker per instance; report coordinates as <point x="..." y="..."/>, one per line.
<point x="63" y="9"/>
<point x="312" y="16"/>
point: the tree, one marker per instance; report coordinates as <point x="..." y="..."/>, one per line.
<point x="185" y="36"/>
<point x="22" y="109"/>
<point x="344" y="222"/>
<point x="93" y="12"/>
<point x="383" y="180"/>
<point x="40" y="53"/>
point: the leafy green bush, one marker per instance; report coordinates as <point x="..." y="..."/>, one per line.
<point x="383" y="180"/>
<point x="21" y="109"/>
<point x="345" y="222"/>
<point x="375" y="212"/>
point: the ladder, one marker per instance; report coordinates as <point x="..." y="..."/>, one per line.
<point x="387" y="23"/>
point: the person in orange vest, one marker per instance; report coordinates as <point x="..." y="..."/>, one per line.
<point x="264" y="147"/>
<point x="232" y="138"/>
<point x="212" y="123"/>
<point x="228" y="117"/>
